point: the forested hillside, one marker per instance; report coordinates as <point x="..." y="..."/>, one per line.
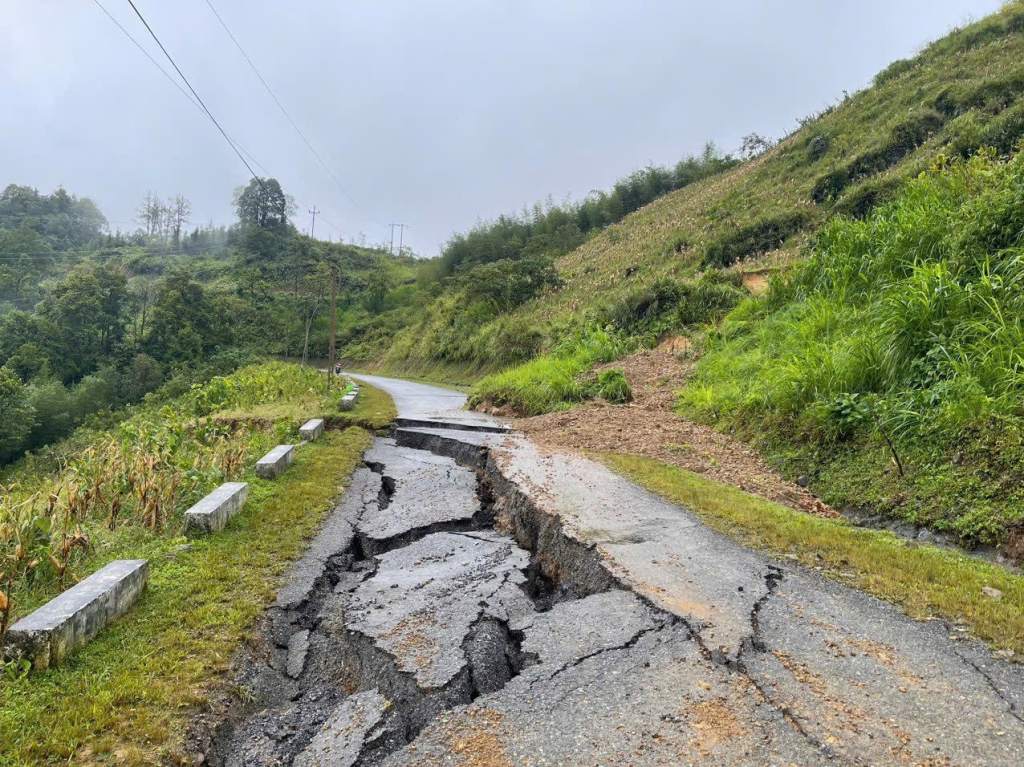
<point x="92" y="320"/>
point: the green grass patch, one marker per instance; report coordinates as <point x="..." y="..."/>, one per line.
<point x="924" y="580"/>
<point x="126" y="697"/>
<point x="900" y="337"/>
<point x="553" y="381"/>
<point x="374" y="410"/>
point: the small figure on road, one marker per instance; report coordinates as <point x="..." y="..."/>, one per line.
<point x="337" y="369"/>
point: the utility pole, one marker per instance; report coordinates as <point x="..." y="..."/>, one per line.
<point x="401" y="236"/>
<point x="331" y="349"/>
<point x="391" y="247"/>
<point x="312" y="227"/>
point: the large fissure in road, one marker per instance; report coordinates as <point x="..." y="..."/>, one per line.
<point x="445" y="615"/>
<point x="410" y="603"/>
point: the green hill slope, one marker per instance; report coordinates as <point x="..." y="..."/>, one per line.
<point x="960" y="93"/>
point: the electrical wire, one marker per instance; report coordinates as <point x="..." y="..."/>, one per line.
<point x="193" y="90"/>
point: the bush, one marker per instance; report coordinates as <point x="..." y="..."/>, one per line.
<point x="708" y="299"/>
<point x="552" y="382"/>
<point x="865" y="197"/>
<point x="755" y="238"/>
<point x="612" y="386"/>
<point x="903" y="139"/>
<point x="509" y="341"/>
<point x="643" y="309"/>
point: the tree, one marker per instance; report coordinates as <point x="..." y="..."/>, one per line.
<point x="185" y="326"/>
<point x="181" y="210"/>
<point x="17" y="416"/>
<point x="150" y="214"/>
<point x="754" y="144"/>
<point x="262" y="203"/>
<point x="87" y="307"/>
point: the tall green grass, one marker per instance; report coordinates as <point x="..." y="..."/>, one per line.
<point x="906" y="327"/>
<point x="556" y="380"/>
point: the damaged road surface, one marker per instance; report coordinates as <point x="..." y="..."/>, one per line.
<point x="472" y="601"/>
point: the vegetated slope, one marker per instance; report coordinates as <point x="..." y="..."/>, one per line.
<point x="883" y="365"/>
<point x="92" y="321"/>
<point x="889" y="367"/>
<point x="643" y="276"/>
<point x="960" y="93"/>
<point x="121" y="492"/>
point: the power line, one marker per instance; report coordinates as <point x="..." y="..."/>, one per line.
<point x="175" y="83"/>
<point x="193" y="90"/>
<point x="196" y="104"/>
<point x="280" y="106"/>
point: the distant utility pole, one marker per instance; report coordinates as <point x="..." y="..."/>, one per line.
<point x="401" y="237"/>
<point x="331" y="348"/>
<point x="314" y="210"/>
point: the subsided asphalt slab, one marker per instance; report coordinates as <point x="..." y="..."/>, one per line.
<point x="574" y="618"/>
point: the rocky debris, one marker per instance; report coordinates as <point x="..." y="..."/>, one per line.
<point x="298" y="646"/>
<point x="360" y="720"/>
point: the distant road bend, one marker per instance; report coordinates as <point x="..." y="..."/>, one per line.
<point x="475" y="601"/>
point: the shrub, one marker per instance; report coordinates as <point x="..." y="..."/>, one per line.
<point x="755" y="238"/>
<point x="642" y="309"/>
<point x="904" y="138"/>
<point x="708" y="299"/>
<point x="509" y="341"/>
<point x="612" y="386"/>
<point x="866" y="196"/>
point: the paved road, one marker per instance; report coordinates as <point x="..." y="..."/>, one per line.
<point x="422" y="402"/>
<point x="560" y="615"/>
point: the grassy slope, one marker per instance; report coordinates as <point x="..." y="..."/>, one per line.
<point x="960" y="93"/>
<point x="924" y="580"/>
<point x="672" y="235"/>
<point x="126" y="697"/>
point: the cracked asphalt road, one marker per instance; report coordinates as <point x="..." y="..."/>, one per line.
<point x="476" y="601"/>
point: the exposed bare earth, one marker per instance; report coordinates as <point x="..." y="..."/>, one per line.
<point x="648" y="426"/>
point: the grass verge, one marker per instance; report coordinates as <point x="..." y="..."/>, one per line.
<point x="125" y="698"/>
<point x="926" y="581"/>
<point x="374" y="410"/>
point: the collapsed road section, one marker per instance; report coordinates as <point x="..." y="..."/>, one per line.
<point x="472" y="601"/>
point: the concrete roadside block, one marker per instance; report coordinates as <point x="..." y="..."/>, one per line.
<point x="212" y="513"/>
<point x="312" y="429"/>
<point x="276" y="461"/>
<point x="349" y="400"/>
<point x="72" y="619"/>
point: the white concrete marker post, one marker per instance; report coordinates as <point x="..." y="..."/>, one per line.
<point x="276" y="461"/>
<point x="212" y="513"/>
<point x="72" y="619"/>
<point x="349" y="400"/>
<point x="312" y="429"/>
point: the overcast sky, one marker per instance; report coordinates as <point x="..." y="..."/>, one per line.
<point x="434" y="114"/>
